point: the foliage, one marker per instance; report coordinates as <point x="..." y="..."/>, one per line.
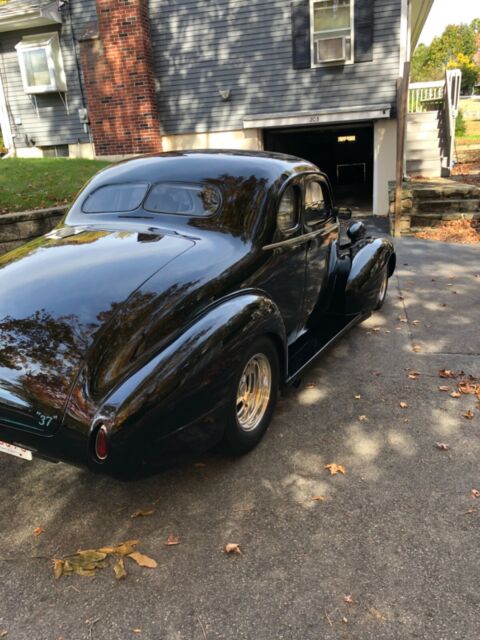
<point x="455" y="48"/>
<point x="469" y="69"/>
<point x="42" y="182"/>
<point x="460" y="127"/>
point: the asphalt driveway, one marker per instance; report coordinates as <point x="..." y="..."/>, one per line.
<point x="390" y="551"/>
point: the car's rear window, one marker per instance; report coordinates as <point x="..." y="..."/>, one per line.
<point x="183" y="199"/>
<point x="116" y="198"/>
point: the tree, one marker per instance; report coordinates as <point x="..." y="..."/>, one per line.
<point x="455" y="48"/>
<point x="469" y="69"/>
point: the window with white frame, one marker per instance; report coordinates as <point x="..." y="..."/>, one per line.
<point x="41" y="63"/>
<point x="332" y="31"/>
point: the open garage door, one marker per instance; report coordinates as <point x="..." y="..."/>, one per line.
<point x="344" y="153"/>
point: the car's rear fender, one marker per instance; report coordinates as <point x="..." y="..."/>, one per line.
<point x="369" y="260"/>
<point x="192" y="377"/>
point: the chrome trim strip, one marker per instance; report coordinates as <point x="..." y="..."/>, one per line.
<point x="304" y="238"/>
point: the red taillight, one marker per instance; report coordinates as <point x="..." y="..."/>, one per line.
<point x="101" y="443"/>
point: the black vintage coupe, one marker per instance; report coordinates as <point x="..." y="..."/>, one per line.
<point x="180" y="292"/>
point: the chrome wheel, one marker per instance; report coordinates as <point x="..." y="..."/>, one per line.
<point x="253" y="392"/>
<point x="383" y="289"/>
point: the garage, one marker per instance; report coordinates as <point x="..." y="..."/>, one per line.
<point x="345" y="154"/>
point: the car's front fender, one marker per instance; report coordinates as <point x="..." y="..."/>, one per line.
<point x="368" y="263"/>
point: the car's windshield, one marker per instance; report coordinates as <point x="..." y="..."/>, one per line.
<point x="166" y="197"/>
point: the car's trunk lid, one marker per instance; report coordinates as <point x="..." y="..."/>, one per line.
<point x="56" y="295"/>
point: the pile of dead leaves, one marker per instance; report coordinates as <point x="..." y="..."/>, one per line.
<point x="463" y="385"/>
<point x="86" y="562"/>
<point x="460" y="231"/>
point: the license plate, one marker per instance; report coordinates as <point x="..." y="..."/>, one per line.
<point x="13" y="450"/>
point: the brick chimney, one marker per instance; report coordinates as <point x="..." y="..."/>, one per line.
<point x="117" y="66"/>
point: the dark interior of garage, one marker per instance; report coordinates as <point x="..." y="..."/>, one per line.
<point x="344" y="153"/>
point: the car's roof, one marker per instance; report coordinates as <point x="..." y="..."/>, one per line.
<point x="209" y="164"/>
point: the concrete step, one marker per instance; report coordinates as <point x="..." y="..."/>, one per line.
<point x="447" y="190"/>
<point x="445" y="205"/>
<point x="430" y="168"/>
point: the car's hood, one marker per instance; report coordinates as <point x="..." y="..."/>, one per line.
<point x="57" y="293"/>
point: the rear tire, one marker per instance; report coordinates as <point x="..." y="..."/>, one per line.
<point x="253" y="397"/>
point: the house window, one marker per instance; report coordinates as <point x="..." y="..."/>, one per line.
<point x="41" y="64"/>
<point x="332" y="31"/>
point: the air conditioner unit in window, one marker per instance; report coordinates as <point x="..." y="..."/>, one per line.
<point x="330" y="49"/>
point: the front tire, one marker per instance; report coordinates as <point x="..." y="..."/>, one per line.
<point x="253" y="398"/>
<point x="382" y="293"/>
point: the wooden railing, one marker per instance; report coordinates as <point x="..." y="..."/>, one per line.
<point x="453" y="82"/>
<point x="442" y="96"/>
<point x="425" y="96"/>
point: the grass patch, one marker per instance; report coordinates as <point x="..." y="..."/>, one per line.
<point x="27" y="183"/>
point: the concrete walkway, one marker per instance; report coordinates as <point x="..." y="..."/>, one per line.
<point x="391" y="553"/>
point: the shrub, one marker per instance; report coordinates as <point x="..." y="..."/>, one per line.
<point x="460" y="127"/>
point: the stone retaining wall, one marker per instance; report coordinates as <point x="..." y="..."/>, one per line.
<point x="19" y="228"/>
<point x="427" y="203"/>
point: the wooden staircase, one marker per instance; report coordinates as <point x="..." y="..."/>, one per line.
<point x="432" y="112"/>
<point x="425" y="144"/>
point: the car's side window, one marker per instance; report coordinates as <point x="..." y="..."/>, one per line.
<point x="287" y="215"/>
<point x="315" y="205"/>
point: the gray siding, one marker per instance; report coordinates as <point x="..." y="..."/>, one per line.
<point x="201" y="46"/>
<point x="53" y="125"/>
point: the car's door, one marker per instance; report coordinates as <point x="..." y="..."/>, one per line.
<point x="321" y="226"/>
<point x="283" y="273"/>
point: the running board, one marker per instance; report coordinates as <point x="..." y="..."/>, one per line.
<point x="305" y="350"/>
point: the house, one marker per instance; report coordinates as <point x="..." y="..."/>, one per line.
<point x="113" y="78"/>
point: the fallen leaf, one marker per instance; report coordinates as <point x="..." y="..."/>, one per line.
<point x="363" y="418"/>
<point x="455" y="394"/>
<point x="335" y="468"/>
<point x="3" y="633"/>
<point x="348" y="599"/>
<point x="141" y="513"/>
<point x="172" y="541"/>
<point x="469" y="511"/>
<point x="122" y="549"/>
<point x="403" y="405"/>
<point x="58" y="565"/>
<point x="143" y="560"/>
<point x="466" y="387"/>
<point x="377" y="614"/>
<point x="469" y="415"/>
<point x="446" y="373"/>
<point x="376" y="329"/>
<point x="403" y="320"/>
<point x="416" y="348"/>
<point x="119" y="569"/>
<point x="233" y="547"/>
<point x="357" y="396"/>
<point x="38" y="531"/>
<point x="442" y="446"/>
<point x="475" y="493"/>
<point x="319" y="499"/>
<point x="416" y="322"/>
<point x="444" y="388"/>
<point x="345" y="620"/>
<point x="413" y="375"/>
